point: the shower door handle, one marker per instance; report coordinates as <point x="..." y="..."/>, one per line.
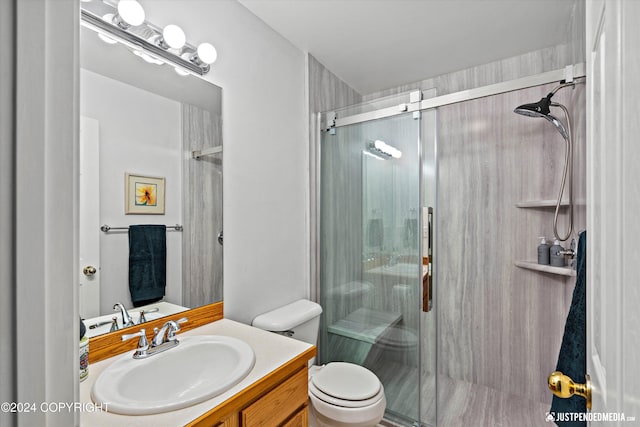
<point x="427" y="258"/>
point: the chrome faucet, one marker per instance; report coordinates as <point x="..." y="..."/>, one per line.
<point x="126" y="318"/>
<point x="167" y="334"/>
<point x="163" y="339"/>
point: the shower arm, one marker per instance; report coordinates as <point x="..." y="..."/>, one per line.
<point x="568" y="168"/>
<point x="562" y="85"/>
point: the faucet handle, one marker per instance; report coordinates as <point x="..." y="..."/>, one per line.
<point x="114" y="324"/>
<point x="143" y="344"/>
<point x="174" y="326"/>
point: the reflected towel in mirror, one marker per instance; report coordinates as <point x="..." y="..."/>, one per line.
<point x="147" y="263"/>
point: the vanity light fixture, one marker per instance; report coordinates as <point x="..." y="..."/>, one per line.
<point x="124" y="22"/>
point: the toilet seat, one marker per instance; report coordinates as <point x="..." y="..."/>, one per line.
<point x="346" y="385"/>
<point x="346" y="381"/>
<point x="327" y="414"/>
<point x="344" y="402"/>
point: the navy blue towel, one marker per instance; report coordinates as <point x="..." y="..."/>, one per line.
<point x="147" y="263"/>
<point x="572" y="360"/>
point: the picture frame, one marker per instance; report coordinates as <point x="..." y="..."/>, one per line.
<point x="144" y="195"/>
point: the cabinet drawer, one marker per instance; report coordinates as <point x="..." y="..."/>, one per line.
<point x="232" y="421"/>
<point x="301" y="419"/>
<point x="278" y="405"/>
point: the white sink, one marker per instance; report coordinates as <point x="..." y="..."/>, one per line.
<point x="198" y="369"/>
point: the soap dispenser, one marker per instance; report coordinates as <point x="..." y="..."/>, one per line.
<point x="543" y="251"/>
<point x="556" y="257"/>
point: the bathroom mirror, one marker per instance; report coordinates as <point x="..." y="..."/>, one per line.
<point x="146" y="120"/>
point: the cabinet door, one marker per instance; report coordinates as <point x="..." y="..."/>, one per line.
<point x="232" y="421"/>
<point x="279" y="404"/>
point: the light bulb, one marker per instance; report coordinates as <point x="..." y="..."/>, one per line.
<point x="147" y="58"/>
<point x="131" y="12"/>
<point x="181" y="72"/>
<point x="207" y="53"/>
<point x="107" y="39"/>
<point x="173" y="36"/>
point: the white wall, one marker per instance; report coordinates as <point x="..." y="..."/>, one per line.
<point x="140" y="133"/>
<point x="266" y="255"/>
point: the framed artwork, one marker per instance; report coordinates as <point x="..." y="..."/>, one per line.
<point x="143" y="195"/>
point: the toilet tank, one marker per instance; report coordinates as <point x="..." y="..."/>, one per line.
<point x="299" y="320"/>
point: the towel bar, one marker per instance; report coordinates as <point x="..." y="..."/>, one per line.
<point x="105" y="228"/>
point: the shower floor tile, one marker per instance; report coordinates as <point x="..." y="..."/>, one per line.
<point x="461" y="404"/>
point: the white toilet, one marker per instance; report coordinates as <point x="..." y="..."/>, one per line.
<point x="341" y="394"/>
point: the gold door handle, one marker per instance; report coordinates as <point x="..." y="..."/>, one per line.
<point x="563" y="386"/>
<point x="89" y="270"/>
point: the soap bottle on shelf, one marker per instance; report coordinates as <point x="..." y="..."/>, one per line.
<point x="556" y="258"/>
<point x="543" y="251"/>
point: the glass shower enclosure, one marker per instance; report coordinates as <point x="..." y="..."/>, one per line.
<point x="372" y="230"/>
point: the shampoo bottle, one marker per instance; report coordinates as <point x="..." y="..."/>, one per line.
<point x="543" y="251"/>
<point x="556" y="258"/>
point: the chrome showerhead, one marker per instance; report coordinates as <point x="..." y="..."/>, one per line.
<point x="541" y="109"/>
<point x="536" y="109"/>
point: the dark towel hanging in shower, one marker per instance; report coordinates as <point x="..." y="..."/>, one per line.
<point x="572" y="360"/>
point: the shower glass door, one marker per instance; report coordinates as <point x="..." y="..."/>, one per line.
<point x="370" y="255"/>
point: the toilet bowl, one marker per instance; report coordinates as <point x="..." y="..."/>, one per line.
<point x="398" y="344"/>
<point x="344" y="395"/>
<point x="340" y="394"/>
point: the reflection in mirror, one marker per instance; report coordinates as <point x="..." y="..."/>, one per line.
<point x="146" y="120"/>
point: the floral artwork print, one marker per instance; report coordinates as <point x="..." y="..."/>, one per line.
<point x="146" y="194"/>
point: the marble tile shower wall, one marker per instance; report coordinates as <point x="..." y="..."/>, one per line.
<point x="202" y="179"/>
<point x="461" y="351"/>
<point x="501" y="326"/>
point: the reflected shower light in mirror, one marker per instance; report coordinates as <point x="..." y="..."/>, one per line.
<point x="370" y="154"/>
<point x="173" y="36"/>
<point x="130" y="12"/>
<point x="387" y="149"/>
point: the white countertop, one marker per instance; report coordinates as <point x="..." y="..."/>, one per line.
<point x="271" y="351"/>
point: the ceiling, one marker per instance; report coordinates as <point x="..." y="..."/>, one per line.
<point x="379" y="44"/>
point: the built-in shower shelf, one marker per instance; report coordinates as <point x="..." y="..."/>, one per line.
<point x="540" y="203"/>
<point x="532" y="265"/>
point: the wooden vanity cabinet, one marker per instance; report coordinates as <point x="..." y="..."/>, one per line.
<point x="278" y="400"/>
<point x="280" y="404"/>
